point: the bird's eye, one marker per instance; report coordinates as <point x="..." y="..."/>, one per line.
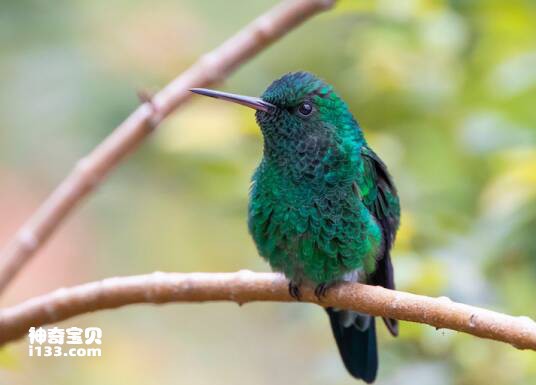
<point x="305" y="109"/>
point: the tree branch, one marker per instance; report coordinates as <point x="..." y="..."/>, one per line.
<point x="89" y="171"/>
<point x="245" y="286"/>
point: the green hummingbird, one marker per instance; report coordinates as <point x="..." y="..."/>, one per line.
<point x="323" y="208"/>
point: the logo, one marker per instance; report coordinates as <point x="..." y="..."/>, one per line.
<point x="59" y="342"/>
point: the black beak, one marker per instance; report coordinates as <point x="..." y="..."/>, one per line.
<point x="248" y="101"/>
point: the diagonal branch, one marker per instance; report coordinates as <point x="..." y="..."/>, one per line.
<point x="89" y="172"/>
<point x="245" y="286"/>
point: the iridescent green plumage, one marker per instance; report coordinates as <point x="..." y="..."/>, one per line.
<point x="323" y="208"/>
<point x="315" y="192"/>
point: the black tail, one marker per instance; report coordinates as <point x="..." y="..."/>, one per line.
<point x="357" y="343"/>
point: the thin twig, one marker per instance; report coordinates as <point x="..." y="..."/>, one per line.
<point x="246" y="286"/>
<point x="89" y="171"/>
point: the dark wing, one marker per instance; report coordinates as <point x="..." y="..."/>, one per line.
<point x="380" y="197"/>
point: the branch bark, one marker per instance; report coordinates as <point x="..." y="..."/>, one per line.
<point x="90" y="171"/>
<point x="246" y="286"/>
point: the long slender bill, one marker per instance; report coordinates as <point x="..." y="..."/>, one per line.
<point x="248" y="101"/>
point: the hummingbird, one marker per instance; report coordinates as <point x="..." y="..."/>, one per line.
<point x="323" y="208"/>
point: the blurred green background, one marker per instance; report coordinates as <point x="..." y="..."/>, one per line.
<point x="446" y="92"/>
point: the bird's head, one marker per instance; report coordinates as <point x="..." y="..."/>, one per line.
<point x="297" y="105"/>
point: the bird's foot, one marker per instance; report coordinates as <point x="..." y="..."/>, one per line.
<point x="322" y="289"/>
<point x="294" y="290"/>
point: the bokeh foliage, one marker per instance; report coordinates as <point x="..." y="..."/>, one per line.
<point x="446" y="92"/>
